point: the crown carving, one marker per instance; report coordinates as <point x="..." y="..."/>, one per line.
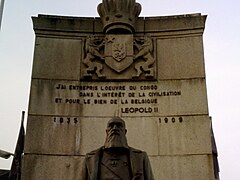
<point x="119" y="15"/>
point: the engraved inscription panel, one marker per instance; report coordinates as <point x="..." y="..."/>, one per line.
<point x="115" y="99"/>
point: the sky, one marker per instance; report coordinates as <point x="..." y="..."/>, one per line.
<point x="221" y="51"/>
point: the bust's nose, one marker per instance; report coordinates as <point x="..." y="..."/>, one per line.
<point x="114" y="126"/>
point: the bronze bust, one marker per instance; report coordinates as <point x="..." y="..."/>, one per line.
<point x="116" y="160"/>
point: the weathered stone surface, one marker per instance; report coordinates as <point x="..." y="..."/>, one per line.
<point x="42" y="167"/>
<point x="185" y="97"/>
<point x="57" y="58"/>
<point x="192" y="167"/>
<point x="170" y="23"/>
<point x="188" y="135"/>
<point x="44" y="99"/>
<point x="54" y="135"/>
<point x="140" y="25"/>
<point x="98" y="25"/>
<point x="180" y="57"/>
<point x="77" y="136"/>
<point x="93" y="133"/>
<point x="144" y="130"/>
<point x="62" y="23"/>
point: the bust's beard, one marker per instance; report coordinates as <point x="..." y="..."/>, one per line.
<point x="116" y="141"/>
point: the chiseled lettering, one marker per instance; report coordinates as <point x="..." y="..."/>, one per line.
<point x="86" y="94"/>
<point x="113" y="94"/>
<point x="61" y="86"/>
<point x="100" y="101"/>
<point x="124" y="101"/>
<point x="149" y="87"/>
<point x="87" y="101"/>
<point x="113" y="88"/>
<point x="165" y="93"/>
<point x="132" y="87"/>
<point x="83" y="88"/>
<point x="58" y="100"/>
<point x="113" y="101"/>
<point x="137" y="110"/>
<point x="144" y="101"/>
<point x="141" y="94"/>
<point x="72" y="101"/>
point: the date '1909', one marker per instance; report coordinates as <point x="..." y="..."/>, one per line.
<point x="171" y="120"/>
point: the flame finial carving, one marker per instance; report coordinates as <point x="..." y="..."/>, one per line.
<point x="119" y="15"/>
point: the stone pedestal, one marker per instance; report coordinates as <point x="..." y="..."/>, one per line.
<point x="166" y="112"/>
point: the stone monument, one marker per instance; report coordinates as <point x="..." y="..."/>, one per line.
<point x="115" y="159"/>
<point x="148" y="71"/>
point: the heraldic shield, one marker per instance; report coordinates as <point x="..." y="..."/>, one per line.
<point x="119" y="51"/>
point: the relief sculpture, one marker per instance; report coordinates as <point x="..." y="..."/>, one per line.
<point x="93" y="59"/>
<point x="144" y="46"/>
<point x="121" y="54"/>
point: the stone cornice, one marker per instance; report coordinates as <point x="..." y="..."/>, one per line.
<point x="143" y="24"/>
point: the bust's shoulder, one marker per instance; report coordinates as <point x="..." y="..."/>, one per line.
<point x="136" y="150"/>
<point x="94" y="152"/>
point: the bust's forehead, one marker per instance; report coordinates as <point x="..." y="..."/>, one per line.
<point x="116" y="120"/>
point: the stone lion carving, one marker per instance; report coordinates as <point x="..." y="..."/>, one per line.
<point x="93" y="56"/>
<point x="144" y="47"/>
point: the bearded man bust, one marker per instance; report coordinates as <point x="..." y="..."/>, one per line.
<point x="116" y="160"/>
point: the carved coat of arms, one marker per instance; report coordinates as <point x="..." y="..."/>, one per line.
<point x="119" y="51"/>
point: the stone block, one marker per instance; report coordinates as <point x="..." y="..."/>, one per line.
<point x="53" y="135"/>
<point x="192" y="167"/>
<point x="184" y="135"/>
<point x="44" y="167"/>
<point x="57" y="58"/>
<point x="180" y="57"/>
<point x="93" y="133"/>
<point x="143" y="133"/>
